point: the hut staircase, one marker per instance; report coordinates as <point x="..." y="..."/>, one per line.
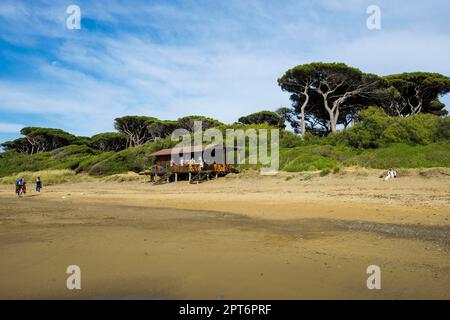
<point x="164" y="178"/>
<point x="202" y="176"/>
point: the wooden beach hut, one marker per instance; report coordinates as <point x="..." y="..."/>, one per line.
<point x="194" y="170"/>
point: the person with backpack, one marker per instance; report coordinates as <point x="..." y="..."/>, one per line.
<point x="19" y="182"/>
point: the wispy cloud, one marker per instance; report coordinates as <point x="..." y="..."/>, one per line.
<point x="10" y="127"/>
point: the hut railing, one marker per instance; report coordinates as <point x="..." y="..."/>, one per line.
<point x="166" y="168"/>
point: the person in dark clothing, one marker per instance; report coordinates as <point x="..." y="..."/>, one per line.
<point x="38" y="184"/>
<point x="23" y="189"/>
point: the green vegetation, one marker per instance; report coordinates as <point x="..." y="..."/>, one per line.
<point x="346" y="118"/>
<point x="81" y="159"/>
<point x="263" y="117"/>
<point x="376" y="129"/>
<point x="325" y="95"/>
<point x="325" y="172"/>
<point x="320" y="157"/>
<point x="377" y="141"/>
<point x="109" y="141"/>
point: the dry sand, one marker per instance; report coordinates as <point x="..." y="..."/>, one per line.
<point x="239" y="237"/>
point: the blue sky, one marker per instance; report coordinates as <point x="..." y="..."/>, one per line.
<point x="172" y="58"/>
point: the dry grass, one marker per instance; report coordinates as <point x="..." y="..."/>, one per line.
<point x="123" y="177"/>
<point x="53" y="177"/>
<point x="48" y="177"/>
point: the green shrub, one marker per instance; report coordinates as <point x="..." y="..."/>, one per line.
<point x="395" y="133"/>
<point x="324" y="151"/>
<point x="290" y="140"/>
<point x="88" y="162"/>
<point x="307" y="162"/>
<point x="406" y="156"/>
<point x="443" y="130"/>
<point x="64" y="152"/>
<point x="376" y="129"/>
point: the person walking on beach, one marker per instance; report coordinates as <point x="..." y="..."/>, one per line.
<point x="23" y="189"/>
<point x="38" y="184"/>
<point x="19" y="182"/>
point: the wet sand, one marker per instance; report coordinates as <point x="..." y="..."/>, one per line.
<point x="240" y="237"/>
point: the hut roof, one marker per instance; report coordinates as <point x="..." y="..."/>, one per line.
<point x="168" y="152"/>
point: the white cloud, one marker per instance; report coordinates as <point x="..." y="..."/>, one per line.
<point x="144" y="78"/>
<point x="388" y="52"/>
<point x="6" y="127"/>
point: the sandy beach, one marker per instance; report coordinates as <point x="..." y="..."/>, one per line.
<point x="240" y="237"/>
